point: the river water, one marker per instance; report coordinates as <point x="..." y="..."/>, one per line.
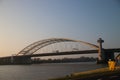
<point x="43" y="71"/>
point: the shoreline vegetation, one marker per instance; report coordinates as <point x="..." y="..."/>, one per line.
<point x="64" y="60"/>
<point x="96" y="74"/>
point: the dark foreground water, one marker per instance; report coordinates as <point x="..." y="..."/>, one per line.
<point x="43" y="71"/>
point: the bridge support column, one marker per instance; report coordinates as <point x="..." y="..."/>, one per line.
<point x="101" y="55"/>
<point x="21" y="60"/>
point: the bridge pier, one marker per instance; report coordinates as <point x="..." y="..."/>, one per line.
<point x="103" y="55"/>
<point x="21" y="60"/>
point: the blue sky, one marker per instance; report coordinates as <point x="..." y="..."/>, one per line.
<point x="23" y="22"/>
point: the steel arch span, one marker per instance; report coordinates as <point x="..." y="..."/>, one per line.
<point x="32" y="48"/>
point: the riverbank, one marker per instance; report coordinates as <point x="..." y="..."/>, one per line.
<point x="98" y="74"/>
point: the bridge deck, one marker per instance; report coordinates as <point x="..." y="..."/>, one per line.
<point x="67" y="53"/>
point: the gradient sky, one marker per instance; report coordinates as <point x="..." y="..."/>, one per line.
<point x="23" y="22"/>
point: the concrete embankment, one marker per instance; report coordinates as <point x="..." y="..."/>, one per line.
<point x="102" y="74"/>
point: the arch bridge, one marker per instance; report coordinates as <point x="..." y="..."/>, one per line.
<point x="32" y="48"/>
<point x="24" y="56"/>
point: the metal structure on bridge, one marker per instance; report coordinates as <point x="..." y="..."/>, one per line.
<point x="32" y="48"/>
<point x="24" y="56"/>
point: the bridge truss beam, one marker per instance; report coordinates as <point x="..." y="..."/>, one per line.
<point x="32" y="48"/>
